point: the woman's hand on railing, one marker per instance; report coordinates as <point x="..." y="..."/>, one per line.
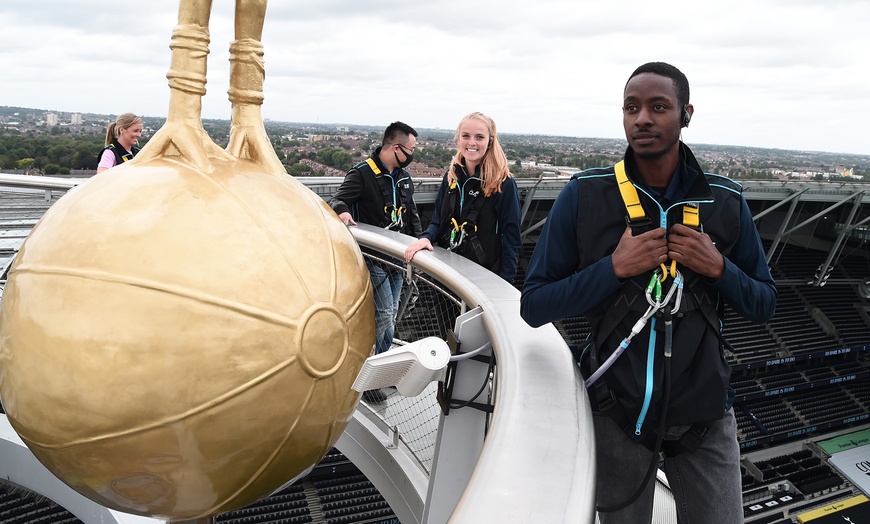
<point x="422" y="243"/>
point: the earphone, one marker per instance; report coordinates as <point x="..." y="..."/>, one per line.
<point x="686" y="118"/>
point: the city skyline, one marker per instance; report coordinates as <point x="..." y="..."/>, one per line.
<point x="533" y="155"/>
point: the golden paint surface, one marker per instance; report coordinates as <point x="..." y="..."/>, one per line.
<point x="179" y="334"/>
<point x="173" y="343"/>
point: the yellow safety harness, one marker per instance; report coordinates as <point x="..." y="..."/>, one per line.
<point x="397" y="211"/>
<point x="458" y="232"/>
<point x="637" y="216"/>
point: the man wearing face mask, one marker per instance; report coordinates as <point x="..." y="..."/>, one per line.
<point x="379" y="192"/>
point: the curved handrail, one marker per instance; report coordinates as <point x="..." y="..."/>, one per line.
<point x="38" y="182"/>
<point x="537" y="463"/>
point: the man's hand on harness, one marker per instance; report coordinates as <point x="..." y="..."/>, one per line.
<point x="696" y="251"/>
<point x="635" y="255"/>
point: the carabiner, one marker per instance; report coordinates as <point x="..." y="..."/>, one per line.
<point x="457" y="228"/>
<point x="654" y="288"/>
<point x="672" y="272"/>
<point x="678" y="283"/>
<point x="395" y="217"/>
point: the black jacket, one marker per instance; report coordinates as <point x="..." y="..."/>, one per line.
<point x="371" y="194"/>
<point x="492" y="223"/>
<point x="121" y="154"/>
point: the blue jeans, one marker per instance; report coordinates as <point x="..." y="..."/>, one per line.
<point x="705" y="482"/>
<point x="387" y="284"/>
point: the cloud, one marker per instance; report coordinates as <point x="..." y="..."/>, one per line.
<point x="769" y="73"/>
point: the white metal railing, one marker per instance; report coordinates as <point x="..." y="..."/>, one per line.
<point x="536" y="463"/>
<point x="39" y="182"/>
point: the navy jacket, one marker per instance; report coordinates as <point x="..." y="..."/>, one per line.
<point x="571" y="274"/>
<point x="498" y="222"/>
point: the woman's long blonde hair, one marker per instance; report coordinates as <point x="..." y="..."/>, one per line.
<point x="124" y="121"/>
<point x="494" y="166"/>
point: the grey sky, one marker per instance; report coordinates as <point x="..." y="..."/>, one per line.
<point x="786" y="74"/>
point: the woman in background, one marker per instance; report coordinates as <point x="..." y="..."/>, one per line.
<point x="122" y="137"/>
<point x="477" y="210"/>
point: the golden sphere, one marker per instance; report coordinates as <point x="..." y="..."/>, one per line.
<point x="176" y="343"/>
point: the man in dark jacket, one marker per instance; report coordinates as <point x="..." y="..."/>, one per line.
<point x="655" y="219"/>
<point x="380" y="192"/>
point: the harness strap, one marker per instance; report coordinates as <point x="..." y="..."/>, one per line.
<point x="471" y="219"/>
<point x="121" y="155"/>
<point x="463" y="234"/>
<point x="636" y="214"/>
<point x="691" y="217"/>
<point x="401" y="197"/>
<point x="638" y="220"/>
<point x="629" y="194"/>
<point x="475" y="207"/>
<point x="392" y="209"/>
<point x="604" y="400"/>
<point x="386" y="193"/>
<point x="373" y="165"/>
<point x="451" y="198"/>
<point x="458" y="230"/>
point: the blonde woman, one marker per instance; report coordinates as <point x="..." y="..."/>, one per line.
<point x="122" y="138"/>
<point x="477" y="210"/>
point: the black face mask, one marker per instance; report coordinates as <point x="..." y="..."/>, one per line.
<point x="408" y="159"/>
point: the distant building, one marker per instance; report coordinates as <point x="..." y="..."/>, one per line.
<point x="324" y="138"/>
<point x="76" y="119"/>
<point x="51" y="119"/>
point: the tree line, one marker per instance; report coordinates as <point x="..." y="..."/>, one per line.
<point x="49" y="154"/>
<point x="53" y="153"/>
